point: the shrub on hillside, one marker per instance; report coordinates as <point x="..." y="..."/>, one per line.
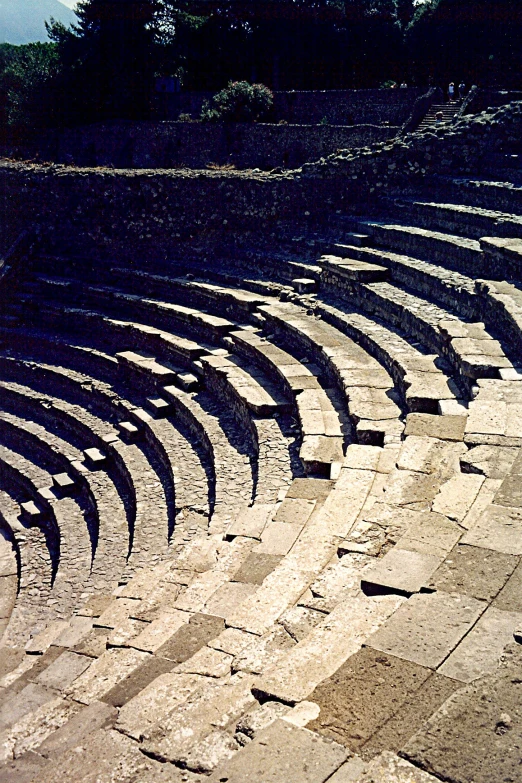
<point x="239" y="102"/>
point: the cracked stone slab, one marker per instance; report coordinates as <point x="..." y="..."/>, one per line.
<point x="485" y="716"/>
<point x="474" y="571"/>
<point x="402" y="571"/>
<point x="281" y="753"/>
<point x="256" y="568"/>
<point x="480" y="651"/>
<point x="413" y="713"/>
<point x="191" y="637"/>
<point x="326" y="648"/>
<point x="250" y="522"/>
<point x="499" y="528"/>
<point x="365" y="692"/>
<point x="155" y="702"/>
<point x="457" y="495"/>
<point x="104" y="673"/>
<point x="427" y="628"/>
<point x="63" y="671"/>
<point x="95" y="716"/>
<point x="441" y="427"/>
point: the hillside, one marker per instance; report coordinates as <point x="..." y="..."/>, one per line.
<point x="22" y="21"/>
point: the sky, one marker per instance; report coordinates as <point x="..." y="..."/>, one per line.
<point x="69" y="3"/>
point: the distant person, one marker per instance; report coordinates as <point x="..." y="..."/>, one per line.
<point x="439" y="117"/>
<point x="462" y="91"/>
<point x="451" y="92"/>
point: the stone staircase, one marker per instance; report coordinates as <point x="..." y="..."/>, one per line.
<point x="447" y="110"/>
<point x="261" y="513"/>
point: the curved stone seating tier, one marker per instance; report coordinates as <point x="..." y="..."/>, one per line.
<point x="105" y="513"/>
<point x="368" y="389"/>
<point x="67" y="535"/>
<point x="317" y="466"/>
<point x="475" y="222"/>
<point x="139" y="486"/>
<point x="10" y="558"/>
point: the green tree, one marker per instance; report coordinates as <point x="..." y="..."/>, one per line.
<point x="110" y="57"/>
<point x="29" y="78"/>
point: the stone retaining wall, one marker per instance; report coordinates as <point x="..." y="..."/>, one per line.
<point x="197" y="145"/>
<point x="144" y="214"/>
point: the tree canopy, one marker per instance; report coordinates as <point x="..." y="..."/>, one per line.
<point x="106" y="64"/>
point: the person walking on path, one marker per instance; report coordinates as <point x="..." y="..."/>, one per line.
<point x="451" y="92"/>
<point x="462" y="91"/>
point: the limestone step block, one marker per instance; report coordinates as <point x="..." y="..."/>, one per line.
<point x="250" y="522"/>
<point x="228" y="597"/>
<point x="220" y="296"/>
<point x="507" y="251"/>
<point x="280" y="753"/>
<point x="232" y="641"/>
<point x="401" y="571"/>
<point x="207" y="662"/>
<point x="427" y="628"/>
<point x="256" y="568"/>
<point x="317" y="415"/>
<point x="456" y="496"/>
<point x="129" y="432"/>
<point x="480" y="651"/>
<point x="27" y="700"/>
<point x="77" y="728"/>
<point x="203" y="587"/>
<point x="389" y="768"/>
<point x="474" y="571"/>
<point x="34" y="727"/>
<point x="155" y="702"/>
<point x="213" y="707"/>
<point x="126" y="631"/>
<point x="310" y="554"/>
<point x="319" y="452"/>
<point x="485" y="715"/>
<point x="191" y="637"/>
<point x="474" y="221"/>
<point x="431" y="455"/>
<point x="95" y="458"/>
<point x="116" y="613"/>
<point x="406" y="720"/>
<point x="510" y="597"/>
<point x="499" y="528"/>
<point x="63" y="671"/>
<point x="42" y="641"/>
<point x="304" y="285"/>
<point x="138" y="679"/>
<point x="497" y="424"/>
<point x="252" y="388"/>
<point x="442" y="427"/>
<point x="437" y="282"/>
<point x="157" y="633"/>
<point x="104" y="673"/>
<point x="326" y="648"/>
<point x="430" y="533"/>
<point x="159" y="407"/>
<point x="340" y="263"/>
<point x="64" y="484"/>
<point x="295" y="375"/>
<point x="30" y="512"/>
<point x="350" y="771"/>
<point x="451" y="250"/>
<point x="104" y="754"/>
<point x="471" y="348"/>
<point x="187" y="381"/>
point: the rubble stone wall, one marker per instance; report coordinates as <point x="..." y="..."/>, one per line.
<point x="196" y="145"/>
<point x="139" y="214"/>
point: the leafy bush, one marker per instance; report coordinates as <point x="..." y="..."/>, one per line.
<point x="239" y="102"/>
